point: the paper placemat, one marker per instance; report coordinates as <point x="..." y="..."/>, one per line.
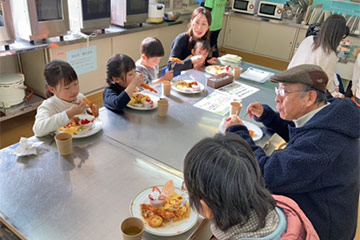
<point x="216" y="102"/>
<point x="238" y="90"/>
<point x="256" y="75"/>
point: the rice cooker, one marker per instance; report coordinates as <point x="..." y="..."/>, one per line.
<point x="12" y="89"/>
<point x="156" y="12"/>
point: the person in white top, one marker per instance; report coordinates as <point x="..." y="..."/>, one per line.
<point x="321" y="50"/>
<point x="355" y="88"/>
<point x="64" y="100"/>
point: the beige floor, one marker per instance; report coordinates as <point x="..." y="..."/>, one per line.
<point x="12" y="129"/>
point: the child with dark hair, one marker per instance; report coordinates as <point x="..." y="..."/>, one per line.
<point x="225" y="185"/>
<point x="321" y="50"/>
<point x="201" y="48"/>
<point x="122" y="81"/>
<point x="64" y="99"/>
<point x="152" y="51"/>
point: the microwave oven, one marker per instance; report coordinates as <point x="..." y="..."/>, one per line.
<point x="6" y="24"/>
<point x="89" y="15"/>
<point x="34" y="19"/>
<point x="270" y="9"/>
<point x="245" y="6"/>
<point x="129" y="12"/>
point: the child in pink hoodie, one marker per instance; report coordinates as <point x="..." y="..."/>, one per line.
<point x="225" y="185"/>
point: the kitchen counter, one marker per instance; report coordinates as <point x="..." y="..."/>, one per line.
<point x="87" y="195"/>
<point x="256" y="18"/>
<point x="21" y="46"/>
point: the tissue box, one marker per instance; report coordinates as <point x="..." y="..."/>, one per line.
<point x="219" y="80"/>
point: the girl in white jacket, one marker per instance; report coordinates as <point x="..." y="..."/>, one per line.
<point x="64" y="99"/>
<point x="321" y="50"/>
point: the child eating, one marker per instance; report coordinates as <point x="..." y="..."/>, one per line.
<point x="151" y="53"/>
<point x="64" y="100"/>
<point x="122" y="81"/>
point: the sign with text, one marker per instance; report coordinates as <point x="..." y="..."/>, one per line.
<point x="83" y="60"/>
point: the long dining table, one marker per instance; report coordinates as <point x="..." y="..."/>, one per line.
<point x="86" y="195"/>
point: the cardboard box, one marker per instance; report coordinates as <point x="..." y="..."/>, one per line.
<point x="219" y="80"/>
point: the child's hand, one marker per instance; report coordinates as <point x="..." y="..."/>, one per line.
<point x="168" y="76"/>
<point x="197" y="59"/>
<point x="139" y="79"/>
<point x="76" y="109"/>
<point x="212" y="61"/>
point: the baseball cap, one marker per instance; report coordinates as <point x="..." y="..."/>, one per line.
<point x="309" y="74"/>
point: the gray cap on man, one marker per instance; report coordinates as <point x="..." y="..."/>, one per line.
<point x="308" y="74"/>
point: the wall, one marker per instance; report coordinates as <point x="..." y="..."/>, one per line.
<point x="9" y="64"/>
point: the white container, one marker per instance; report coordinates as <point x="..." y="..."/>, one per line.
<point x="231" y="60"/>
<point x="156" y="12"/>
<point x="12" y="89"/>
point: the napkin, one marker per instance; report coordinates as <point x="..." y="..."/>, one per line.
<point x="26" y="147"/>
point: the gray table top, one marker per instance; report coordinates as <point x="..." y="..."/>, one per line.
<point x="83" y="196"/>
<point x="87" y="195"/>
<point x="168" y="139"/>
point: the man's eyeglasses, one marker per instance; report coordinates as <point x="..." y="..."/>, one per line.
<point x="282" y="92"/>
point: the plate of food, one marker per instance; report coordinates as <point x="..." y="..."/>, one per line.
<point x="218" y="69"/>
<point x="255" y="132"/>
<point x="165" y="210"/>
<point x="82" y="125"/>
<point x="141" y="101"/>
<point x="187" y="86"/>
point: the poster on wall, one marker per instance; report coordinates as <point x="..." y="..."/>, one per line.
<point x="83" y="60"/>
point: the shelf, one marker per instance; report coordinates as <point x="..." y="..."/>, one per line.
<point x="24" y="107"/>
<point x="346" y="1"/>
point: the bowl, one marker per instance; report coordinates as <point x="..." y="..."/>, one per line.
<point x="171" y="16"/>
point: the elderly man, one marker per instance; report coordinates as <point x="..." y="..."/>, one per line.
<point x="319" y="168"/>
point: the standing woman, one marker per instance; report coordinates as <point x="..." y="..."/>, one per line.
<point x="217" y="9"/>
<point x="321" y="50"/>
<point x="183" y="44"/>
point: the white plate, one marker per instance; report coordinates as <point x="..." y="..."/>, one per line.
<point x="190" y="90"/>
<point x="154" y="98"/>
<point x="212" y="69"/>
<point x="258" y="132"/>
<point x="95" y="129"/>
<point x="170" y="229"/>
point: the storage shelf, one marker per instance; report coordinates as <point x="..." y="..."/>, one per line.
<point x="24" y="107"/>
<point x="346" y="1"/>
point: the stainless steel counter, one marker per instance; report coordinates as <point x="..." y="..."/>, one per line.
<point x="168" y="139"/>
<point x="21" y="46"/>
<point x="87" y="195"/>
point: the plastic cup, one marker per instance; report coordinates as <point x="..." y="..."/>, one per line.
<point x="132" y="228"/>
<point x="356" y="52"/>
<point x="237" y="72"/>
<point x="64" y="143"/>
<point x="163" y="106"/>
<point x="235" y="108"/>
<point x="166" y="87"/>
